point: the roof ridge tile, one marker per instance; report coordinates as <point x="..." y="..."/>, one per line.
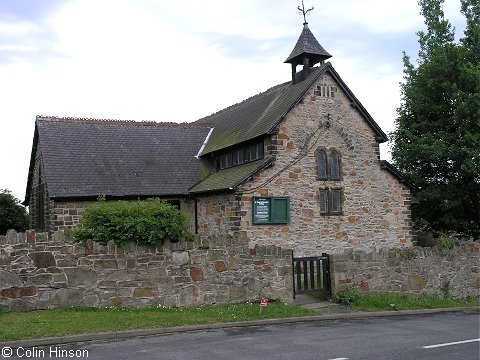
<point x="80" y="120"/>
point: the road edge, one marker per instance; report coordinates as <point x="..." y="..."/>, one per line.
<point x="129" y="334"/>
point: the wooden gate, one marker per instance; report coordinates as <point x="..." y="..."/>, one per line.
<point x="312" y="275"/>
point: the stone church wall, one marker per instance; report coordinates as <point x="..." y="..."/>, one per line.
<point x="218" y="215"/>
<point x="39" y="204"/>
<point x="66" y="214"/>
<point x="375" y="204"/>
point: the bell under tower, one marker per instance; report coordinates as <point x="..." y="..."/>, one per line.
<point x="307" y="51"/>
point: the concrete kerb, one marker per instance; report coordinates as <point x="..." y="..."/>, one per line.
<point x="129" y="334"/>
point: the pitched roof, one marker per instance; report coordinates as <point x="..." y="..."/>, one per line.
<point x="308" y="45"/>
<point x="229" y="179"/>
<point x="254" y="117"/>
<point x="88" y="157"/>
<point x="259" y="115"/>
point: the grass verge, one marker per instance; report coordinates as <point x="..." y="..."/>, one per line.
<point x="408" y="302"/>
<point x="76" y="320"/>
<point x="388" y="301"/>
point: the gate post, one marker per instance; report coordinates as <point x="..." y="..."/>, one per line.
<point x="327" y="288"/>
<point x="293" y="277"/>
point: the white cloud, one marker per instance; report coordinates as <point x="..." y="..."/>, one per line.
<point x="23" y="28"/>
<point x="376" y="15"/>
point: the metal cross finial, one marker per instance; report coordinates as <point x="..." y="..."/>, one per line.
<point x="304" y="12"/>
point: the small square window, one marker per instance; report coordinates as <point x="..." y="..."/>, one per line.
<point x="330" y="201"/>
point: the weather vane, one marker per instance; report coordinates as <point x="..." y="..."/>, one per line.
<point x="304" y="12"/>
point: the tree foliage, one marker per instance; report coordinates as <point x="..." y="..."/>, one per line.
<point x="148" y="222"/>
<point x="12" y="214"/>
<point x="436" y="142"/>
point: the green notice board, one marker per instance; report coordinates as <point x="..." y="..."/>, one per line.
<point x="271" y="210"/>
<point x="261" y="210"/>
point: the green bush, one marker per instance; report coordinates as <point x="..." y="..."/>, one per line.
<point x="148" y="222"/>
<point x="347" y="295"/>
<point x="445" y="242"/>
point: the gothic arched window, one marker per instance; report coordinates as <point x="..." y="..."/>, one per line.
<point x="322" y="164"/>
<point x="334" y="165"/>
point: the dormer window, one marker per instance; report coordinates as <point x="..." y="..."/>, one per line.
<point x="242" y="155"/>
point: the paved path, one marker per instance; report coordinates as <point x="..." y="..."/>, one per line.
<point x="323" y="307"/>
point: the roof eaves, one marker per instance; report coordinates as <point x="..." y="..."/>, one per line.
<point x="385" y="165"/>
<point x="266" y="164"/>
<point x="31" y="167"/>
<point x="118" y="197"/>
<point x="232" y="187"/>
<point x="381" y="136"/>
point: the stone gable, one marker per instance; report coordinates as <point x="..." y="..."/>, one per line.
<point x="375" y="205"/>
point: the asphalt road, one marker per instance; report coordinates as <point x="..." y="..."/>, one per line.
<point x="442" y="336"/>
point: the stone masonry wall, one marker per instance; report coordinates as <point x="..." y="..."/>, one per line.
<point x="38" y="271"/>
<point x="411" y="270"/>
<point x="375" y="204"/>
<point x="67" y="214"/>
<point x="218" y="215"/>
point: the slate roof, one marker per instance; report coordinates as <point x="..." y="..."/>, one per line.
<point x="85" y="158"/>
<point x="307" y="45"/>
<point x="230" y="178"/>
<point x="259" y="115"/>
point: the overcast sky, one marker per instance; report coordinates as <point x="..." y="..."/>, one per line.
<point x="181" y="60"/>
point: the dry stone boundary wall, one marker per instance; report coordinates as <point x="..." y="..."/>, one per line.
<point x="42" y="271"/>
<point x="411" y="270"/>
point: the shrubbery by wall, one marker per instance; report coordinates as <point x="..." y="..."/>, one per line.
<point x="38" y="271"/>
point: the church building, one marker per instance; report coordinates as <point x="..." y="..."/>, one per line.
<point x="297" y="166"/>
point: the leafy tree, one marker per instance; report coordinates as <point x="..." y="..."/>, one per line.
<point x="436" y="142"/>
<point x="12" y="214"/>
